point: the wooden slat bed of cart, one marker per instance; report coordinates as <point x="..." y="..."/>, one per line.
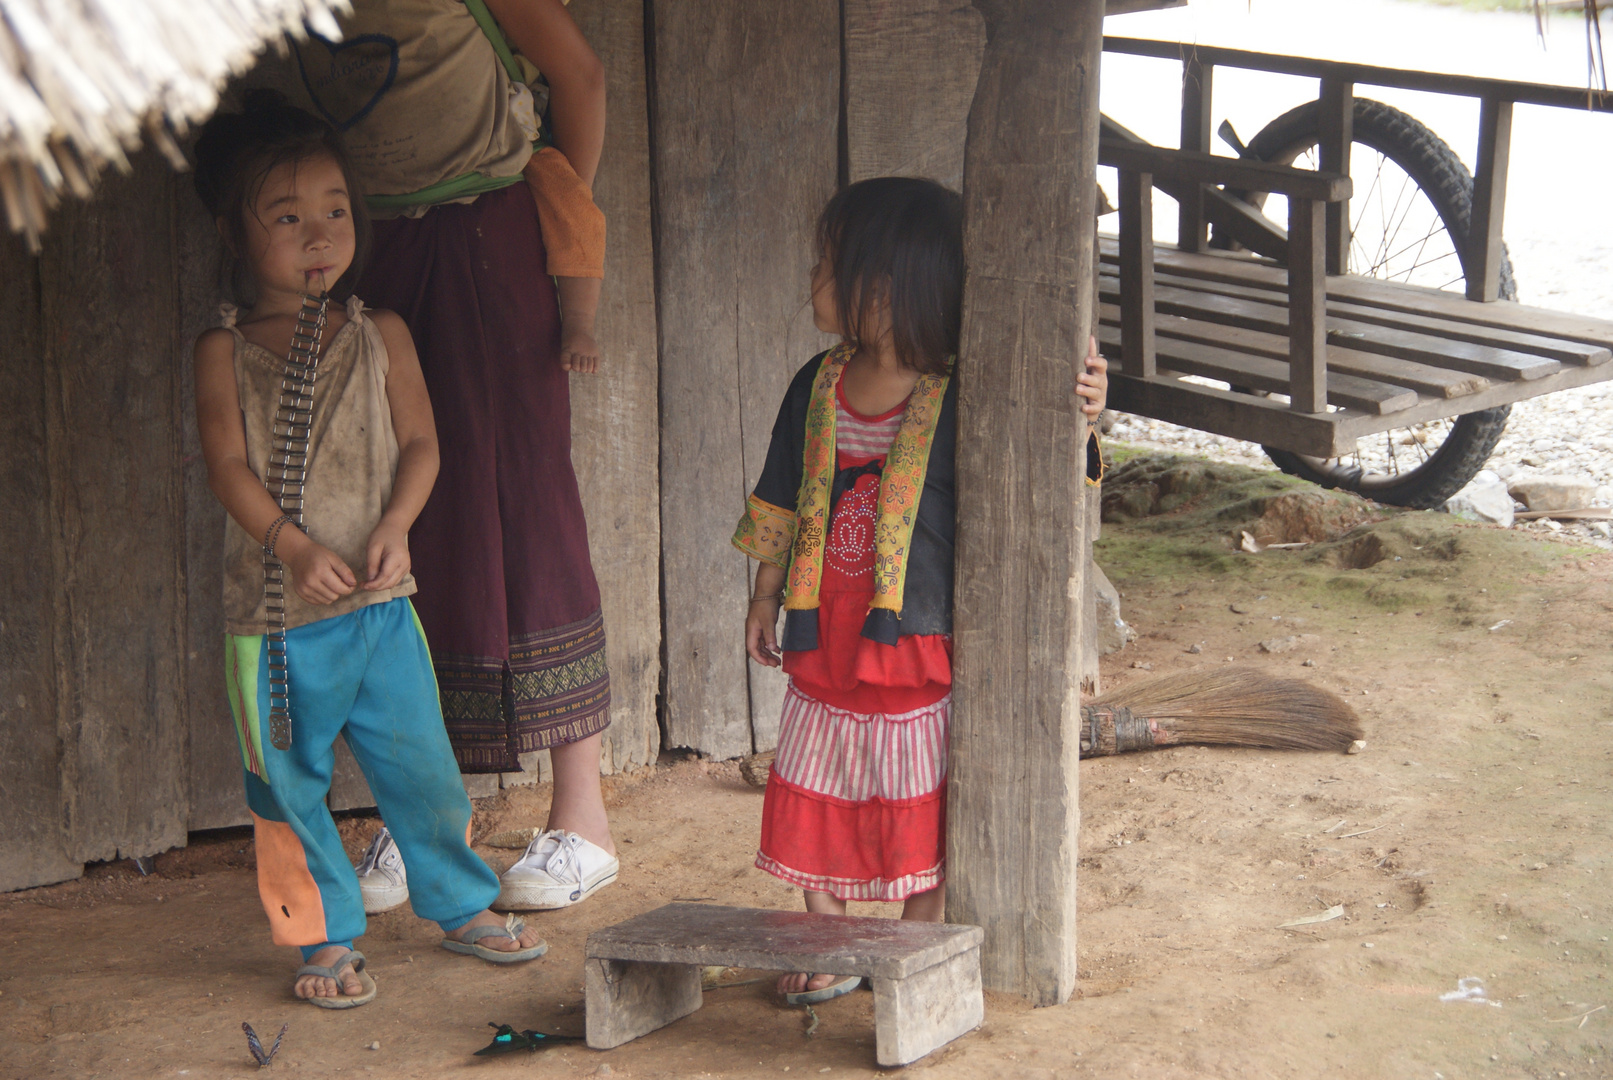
<point x="1396" y="354"/>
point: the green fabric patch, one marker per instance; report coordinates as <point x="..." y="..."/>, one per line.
<point x="241" y="656"/>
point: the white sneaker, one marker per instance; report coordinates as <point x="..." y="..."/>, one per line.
<point x="381" y="879"/>
<point x="559" y="869"/>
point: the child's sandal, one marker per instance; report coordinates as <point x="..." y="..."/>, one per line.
<point x="354" y="959"/>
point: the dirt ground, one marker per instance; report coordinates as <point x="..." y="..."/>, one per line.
<point x="1469" y="841"/>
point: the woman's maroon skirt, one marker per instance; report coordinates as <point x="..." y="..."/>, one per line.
<point x="507" y="596"/>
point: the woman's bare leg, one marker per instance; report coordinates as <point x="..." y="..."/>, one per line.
<point x="578" y="805"/>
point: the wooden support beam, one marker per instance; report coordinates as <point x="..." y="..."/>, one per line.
<point x="1307" y="307"/>
<point x="1337" y="118"/>
<point x="1029" y="191"/>
<point x="1137" y="273"/>
<point x="1192" y="232"/>
<point x="1484" y="249"/>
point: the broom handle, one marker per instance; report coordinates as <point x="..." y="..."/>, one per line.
<point x="1114" y="729"/>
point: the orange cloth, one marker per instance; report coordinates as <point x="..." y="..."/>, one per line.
<point x="285" y="885"/>
<point x="573" y="227"/>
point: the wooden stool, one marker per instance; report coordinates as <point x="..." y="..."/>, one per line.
<point x="645" y="973"/>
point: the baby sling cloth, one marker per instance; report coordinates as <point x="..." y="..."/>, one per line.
<point x="286" y="477"/>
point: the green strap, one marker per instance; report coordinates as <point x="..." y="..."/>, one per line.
<point x="484" y="19"/>
<point x="471" y="183"/>
<point x="458" y="187"/>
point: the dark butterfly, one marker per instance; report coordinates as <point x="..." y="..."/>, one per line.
<point x="508" y="1039"/>
<point x="252" y="1044"/>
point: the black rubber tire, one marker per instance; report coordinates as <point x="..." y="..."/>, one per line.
<point x="1448" y="185"/>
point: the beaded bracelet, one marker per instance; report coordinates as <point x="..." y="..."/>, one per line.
<point x="273" y="535"/>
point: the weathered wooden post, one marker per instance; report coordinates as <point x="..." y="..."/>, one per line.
<point x="1029" y="188"/>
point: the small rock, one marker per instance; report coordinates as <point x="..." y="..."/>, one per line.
<point x="1357" y="746"/>
<point x="1553" y="492"/>
<point x="1601" y="529"/>
<point x="604" y="1070"/>
<point x="373" y="1046"/>
<point x="1506" y="471"/>
<point x="1285" y="644"/>
<point x="1310" y="663"/>
<point x="1603" y="496"/>
<point x="1142" y="666"/>
<point x="1237" y="609"/>
<point x="1485" y="498"/>
<point x="1196" y="648"/>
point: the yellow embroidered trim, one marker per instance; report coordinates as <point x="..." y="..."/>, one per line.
<point x="817" y="485"/>
<point x="766" y="532"/>
<point x="900" y="488"/>
<point x="1103" y="466"/>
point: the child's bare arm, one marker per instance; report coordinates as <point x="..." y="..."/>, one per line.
<point x="579" y="305"/>
<point x="317" y="573"/>
<point x="761" y="621"/>
<point x="543" y="32"/>
<point x="416" y="431"/>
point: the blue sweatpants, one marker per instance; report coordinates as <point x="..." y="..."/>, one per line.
<point x="365" y="676"/>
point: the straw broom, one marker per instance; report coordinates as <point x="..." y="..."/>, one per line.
<point x="1226" y="707"/>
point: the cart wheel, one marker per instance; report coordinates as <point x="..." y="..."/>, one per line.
<point x="1409" y="223"/>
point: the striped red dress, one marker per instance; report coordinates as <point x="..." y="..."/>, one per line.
<point x="856" y="805"/>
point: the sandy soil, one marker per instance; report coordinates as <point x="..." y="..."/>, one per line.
<point x="1471" y="839"/>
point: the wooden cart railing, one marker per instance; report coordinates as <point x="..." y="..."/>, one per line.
<point x="1355" y="355"/>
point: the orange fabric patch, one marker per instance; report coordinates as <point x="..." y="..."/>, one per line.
<point x="290" y="898"/>
<point x="573" y="227"/>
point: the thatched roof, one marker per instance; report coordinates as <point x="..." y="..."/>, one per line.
<point x="83" y="82"/>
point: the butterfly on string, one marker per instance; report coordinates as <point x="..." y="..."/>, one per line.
<point x="508" y="1039"/>
<point x="264" y="1060"/>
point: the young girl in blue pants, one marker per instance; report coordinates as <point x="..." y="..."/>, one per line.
<point x="277" y="182"/>
<point x="852" y="524"/>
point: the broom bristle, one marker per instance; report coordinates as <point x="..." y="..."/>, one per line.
<point x="1241" y="707"/>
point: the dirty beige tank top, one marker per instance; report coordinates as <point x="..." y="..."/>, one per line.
<point x="352" y="462"/>
<point x="418" y="94"/>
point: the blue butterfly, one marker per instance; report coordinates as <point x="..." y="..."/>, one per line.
<point x="508" y="1039"/>
<point x="252" y="1044"/>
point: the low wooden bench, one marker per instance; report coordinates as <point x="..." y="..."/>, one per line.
<point x="644" y="973"/>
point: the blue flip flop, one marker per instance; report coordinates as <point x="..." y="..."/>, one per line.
<point x="355" y="960"/>
<point x="511" y="929"/>
<point x="827" y="993"/>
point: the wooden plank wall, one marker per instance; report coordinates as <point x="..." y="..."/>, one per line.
<point x="745" y="150"/>
<point x="616" y="448"/>
<point x="911" y="68"/>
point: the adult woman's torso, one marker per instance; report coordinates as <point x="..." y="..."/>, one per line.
<point x="417" y="93"/>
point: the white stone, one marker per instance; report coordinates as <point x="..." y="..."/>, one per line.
<point x="1553" y="492"/>
<point x="1483" y="502"/>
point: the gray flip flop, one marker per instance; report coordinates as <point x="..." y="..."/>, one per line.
<point x="827" y="993"/>
<point x="511" y="929"/>
<point x="353" y="959"/>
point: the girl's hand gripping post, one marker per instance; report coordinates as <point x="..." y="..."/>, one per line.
<point x="761" y="621"/>
<point x="1093" y="383"/>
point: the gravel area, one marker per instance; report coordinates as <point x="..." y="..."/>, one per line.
<point x="1559" y="245"/>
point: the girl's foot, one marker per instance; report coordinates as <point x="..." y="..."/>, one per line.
<point x="798" y="982"/>
<point x="527" y="938"/>
<point x="312" y="986"/>
<point x="802" y="989"/>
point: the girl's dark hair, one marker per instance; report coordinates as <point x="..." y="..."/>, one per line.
<point x="235" y="154"/>
<point x="899" y="239"/>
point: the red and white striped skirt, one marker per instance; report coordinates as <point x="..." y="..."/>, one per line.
<point x="856" y="804"/>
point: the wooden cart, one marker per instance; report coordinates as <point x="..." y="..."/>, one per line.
<point x="1334" y="355"/>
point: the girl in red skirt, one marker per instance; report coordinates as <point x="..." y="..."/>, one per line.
<point x="852" y="525"/>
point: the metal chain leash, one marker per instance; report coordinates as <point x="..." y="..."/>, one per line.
<point x="287" y="472"/>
